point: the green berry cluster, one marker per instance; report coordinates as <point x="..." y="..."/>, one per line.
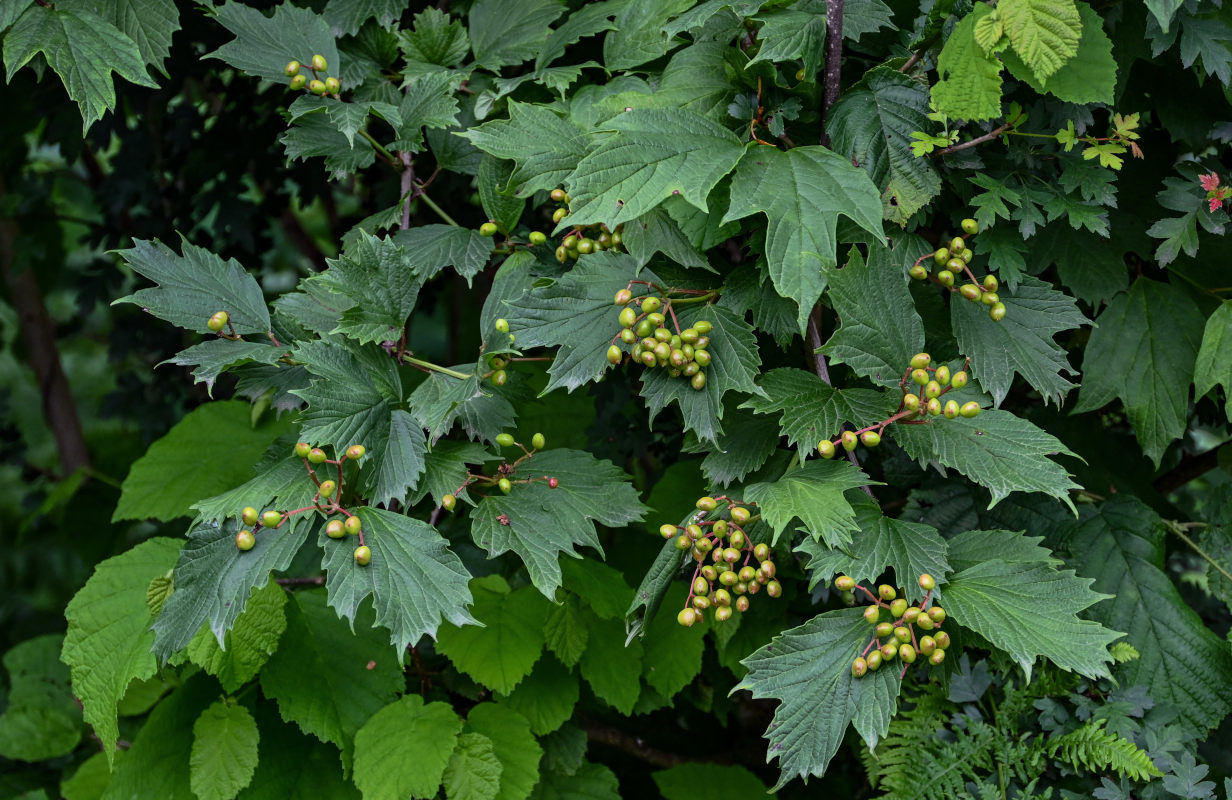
<point x="501" y="479"/>
<point x="931" y="385"/>
<point x="727" y="583"/>
<point x="682" y="354"/>
<point x="953" y="262"/>
<point x="498" y="362"/>
<point x="895" y="627"/>
<point x="319" y="83"/>
<point x="582" y="239"/>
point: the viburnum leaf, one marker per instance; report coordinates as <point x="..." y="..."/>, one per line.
<point x="970" y="79"/>
<point x="810" y="410"/>
<point x="280" y="482"/>
<point x="589" y="19"/>
<point x="1180" y="234"/>
<point x="546" y="697"/>
<point x="802" y="191"/>
<point x="401" y="459"/>
<point x="502" y="35"/>
<point x="263" y="45"/>
<point x="215" y="356"/>
<point x="328" y="677"/>
<point x="403" y="750"/>
<point x="414" y="579"/>
<point x="566" y="632"/>
<point x="43" y="719"/>
<point x="435" y="247"/>
<point x="1020" y="343"/>
<point x="435" y="38"/>
<point x="1182" y="662"/>
<point x="379" y="278"/>
<point x="814" y="494"/>
<point x="1044" y="33"/>
<point x="747" y="441"/>
<point x="539" y="523"/>
<point x="107" y="644"/>
<point x="441" y="400"/>
<point x="876" y="344"/>
<point x="1091" y="269"/>
<point x="753" y="290"/>
<point x="445" y="470"/>
<point x="494" y="189"/>
<point x="149" y="23"/>
<point x="249" y="643"/>
<point x="611" y="666"/>
<point x="909" y="548"/>
<point x="695" y="18"/>
<point x="1214" y="363"/>
<point x="473" y="771"/>
<point x="808" y="670"/>
<point x="194" y="286"/>
<point x="640" y="36"/>
<point x="427" y="101"/>
<point x="294" y="763"/>
<point x="865" y="16"/>
<point x="346" y="16"/>
<point x="681" y="781"/>
<point x="224" y="751"/>
<point x="735" y="362"/>
<point x="1029" y="608"/>
<point x="501" y="652"/>
<point x="1088" y="77"/>
<point x="316" y="135"/>
<point x="1163" y="11"/>
<point x="998" y="450"/>
<point x="656" y="232"/>
<point x="514" y="746"/>
<point x="545" y="146"/>
<point x="1143" y="351"/>
<point x="794" y="33"/>
<point x="642" y="157"/>
<point x="693" y="80"/>
<point x="872" y="125"/>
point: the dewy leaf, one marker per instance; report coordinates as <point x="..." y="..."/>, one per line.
<point x="1088" y="77"/>
<point x="970" y="80"/>
<point x="263" y="45"/>
<point x="224" y="751"/>
<point x="1044" y="33"/>
<point x="811" y="410"/>
<point x="539" y="523"/>
<point x="402" y="751"/>
<point x="641" y="158"/>
<point x="797" y="32"/>
<point x="802" y="191"/>
<point x="545" y="146"/>
<point x="1022" y="342"/>
<point x="414" y="579"/>
<point x="876" y="344"/>
<point x="1181" y="662"/>
<point x="814" y="494"/>
<point x="872" y="125"/>
<point x="108" y="641"/>
<point x="514" y="746"/>
<point x="997" y="450"/>
<point x="42" y="720"/>
<point x="473" y="771"/>
<point x="1214" y="364"/>
<point x="83" y="49"/>
<point x="503" y="34"/>
<point x="250" y="642"/>
<point x="808" y="669"/>
<point x="380" y="280"/>
<point x="194" y="286"/>
<point x="501" y="650"/>
<point x="1143" y="351"/>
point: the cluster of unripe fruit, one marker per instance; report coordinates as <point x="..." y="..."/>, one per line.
<point x="501" y="480"/>
<point x="953" y="261"/>
<point x="581" y="241"/>
<point x="319" y="83"/>
<point x="499" y="376"/>
<point x="682" y="354"/>
<point x="726" y="584"/>
<point x="895" y="627"/>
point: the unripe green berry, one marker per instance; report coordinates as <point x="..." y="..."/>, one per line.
<point x="694" y="531"/>
<point x="701" y="586"/>
<point x="950" y="410"/>
<point x="332" y="85"/>
<point x="921" y="361"/>
<point x="538" y="441"/>
<point x="942" y="255"/>
<point x="316" y="86"/>
<point x="767" y="569"/>
<point x="319" y="63"/>
<point x="504" y="485"/>
<point x="870" y="438"/>
<point x="710" y="573"/>
<point x="859" y="667"/>
<point x="721" y="597"/>
<point x="585" y="246"/>
<point x="487" y="229"/>
<point x="943" y="640"/>
<point x="299" y="82"/>
<point x="957" y="245"/>
<point x="997" y="312"/>
<point x="927" y="645"/>
<point x="970" y="226"/>
<point x="303" y="449"/>
<point x="683" y="542"/>
<point x="886" y="592"/>
<point x="911" y="401"/>
<point x="937" y="657"/>
<point x="850" y="440"/>
<point x="933" y="407"/>
<point x="648" y="358"/>
<point x="628" y="336"/>
<point x="356" y="451"/>
<point x="698" y="381"/>
<point x="955" y="265"/>
<point x="731" y="555"/>
<point x="920" y="376"/>
<point x="927" y="582"/>
<point x="292" y="69"/>
<point x="668" y="531"/>
<point x="898" y="608"/>
<point x="448" y="502"/>
<point x="499" y="378"/>
<point x="707" y="503"/>
<point x="937" y="614"/>
<point x="703" y="327"/>
<point x="249" y="515"/>
<point x="334" y="529"/>
<point x="872" y="615"/>
<point x="945" y="277"/>
<point x="353" y="525"/>
<point x="925" y="622"/>
<point x="959" y="380"/>
<point x="740" y="515"/>
<point x="883" y="629"/>
<point x="317" y="456"/>
<point x="990" y="298"/>
<point x="363" y="555"/>
<point x="271" y="519"/>
<point x="844" y="583"/>
<point x="326" y="489"/>
<point x="991" y="283"/>
<point x="742" y="604"/>
<point x="218" y="321"/>
<point x="702" y="357"/>
<point x="723" y="613"/>
<point x="614" y="355"/>
<point x="504" y="439"/>
<point x="932" y="389"/>
<point x="918" y="272"/>
<point x="729" y="578"/>
<point x="970" y="291"/>
<point x="907" y="653"/>
<point x="651" y="304"/>
<point x="557" y="195"/>
<point x="969" y="410"/>
<point x="889" y="651"/>
<point x="942" y="375"/>
<point x="687" y="617"/>
<point x="747" y="574"/>
<point x="912" y="614"/>
<point x="762" y="551"/>
<point x="244" y="540"/>
<point x="501" y="325"/>
<point x="874" y="661"/>
<point x="700" y="602"/>
<point x="967" y="255"/>
<point x="825" y="448"/>
<point x="774" y="588"/>
<point x="902" y="634"/>
<point x="559" y="214"/>
<point x="622" y="299"/>
<point x="537" y="237"/>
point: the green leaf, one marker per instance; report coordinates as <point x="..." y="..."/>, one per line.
<point x="872" y="124"/>
<point x="224" y="751"/>
<point x="1088" y="77"/>
<point x="802" y="191"/>
<point x="328" y="677"/>
<point x="639" y="36"/>
<point x="315" y="135"/>
<point x="445" y="470"/>
<point x="10" y="12"/>
<point x="294" y="765"/>
<point x="546" y="697"/>
<point x="1143" y="351"/>
<point x="1020" y="343"/>
<point x="656" y="232"/>
<point x="249" y="643"/>
<point x="545" y="147"/>
<point x="673" y="655"/>
<point x="909" y="548"/>
<point x="591" y="18"/>
<point x="997" y="450"/>
<point x="473" y="771"/>
<point x="404" y="749"/>
<point x="565" y="630"/>
<point x="90" y="780"/>
<point x="1091" y="269"/>
<point x="414" y="579"/>
<point x="589" y="782"/>
<point x="970" y="80"/>
<point x="215" y="356"/>
<point x="1164" y="11"/>
<point x="280" y="481"/>
<point x="752" y="290"/>
<point x="493" y="183"/>
<point x="808" y="669"/>
<point x="379" y="278"/>
<point x="83" y="49"/>
<point x="192" y="287"/>
<point x="612" y="667"/>
<point x="149" y="23"/>
<point x="744" y="446"/>
<point x="345" y="17"/>
<point x="427" y="101"/>
<point x="539" y="523"/>
<point x="865" y="16"/>
<point x="435" y="247"/>
<point x="795" y="33"/>
<point x="811" y="410"/>
<point x="442" y="400"/>
<point x="42" y="720"/>
<point x="1044" y="33"/>
<point x="503" y="34"/>
<point x="108" y="641"/>
<point x="165" y="482"/>
<point x="1214" y="363"/>
<point x="435" y="38"/>
<point x="729" y="782"/>
<point x="602" y="587"/>
<point x="263" y="45"/>
<point x="814" y="494"/>
<point x="693" y="80"/>
<point x="1181" y="661"/>
<point x="514" y="746"/>
<point x="651" y="591"/>
<point x="508" y="640"/>
<point x="876" y="344"/>
<point x="402" y="459"/>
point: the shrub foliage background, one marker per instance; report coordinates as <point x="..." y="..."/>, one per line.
<point x="775" y="169"/>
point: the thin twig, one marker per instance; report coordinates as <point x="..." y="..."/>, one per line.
<point x="1178" y="530"/>
<point x="315" y="580"/>
<point x="408" y="187"/>
<point x="993" y="134"/>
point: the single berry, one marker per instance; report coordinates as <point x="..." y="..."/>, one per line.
<point x="859" y="667"/>
<point x="927" y="582"/>
<point x="501" y="325"/>
<point x="701" y="602"/>
<point x="762" y="551"/>
<point x="363" y="555"/>
<point x="334" y="529"/>
<point x="990" y="283"/>
<point x="967" y="255"/>
<point x="559" y="214"/>
<point x="870" y="438"/>
<point x="218" y="321"/>
<point x="774" y="588"/>
<point x="721" y="597"/>
<point x="950" y="409"/>
<point x="614" y="355"/>
<point x="244" y="540"/>
<point x="945" y="277"/>
<point x="911" y="401"/>
<point x="883" y="629"/>
<point x="955" y="264"/>
<point x="499" y="378"/>
<point x="701" y="585"/>
<point x="699" y="381"/>
<point x="937" y="657"/>
<point x="912" y="614"/>
<point x="942" y="255"/>
<point x="316" y="87"/>
<point x="504" y="439"/>
<point x="969" y="410"/>
<point x="689" y="335"/>
<point x="623" y="297"/>
<point x="317" y="456"/>
<point x="925" y="622"/>
<point x="537" y="237"/>
<point x="957" y="245"/>
<point x="303" y="449"/>
<point x="249" y="515"/>
<point x="850" y="440"/>
<point x="723" y="613"/>
<point x="970" y="226"/>
<point x="918" y="272"/>
<point x="889" y="651"/>
<point x="332" y="85"/>
<point x="729" y="579"/>
<point x="487" y="229"/>
<point x="943" y="640"/>
<point x="326" y="489"/>
<point x="319" y="64"/>
<point x="628" y="336"/>
<point x="449" y="502"/>
<point x="702" y="357"/>
<point x="844" y="583"/>
<point x="504" y="485"/>
<point x="498" y="362"/>
<point x="907" y="653"/>
<point x="628" y="317"/>
<point x="872" y="615"/>
<point x="299" y="82"/>
<point x="694" y="532"/>
<point x="800" y="74"/>
<point x="970" y="291"/>
<point x="557" y="195"/>
<point x="933" y="407"/>
<point x="742" y="604"/>
<point x="740" y="515"/>
<point x="731" y="555"/>
<point x="959" y="380"/>
<point x="874" y="660"/>
<point x="707" y="503"/>
<point x="668" y="531"/>
<point x="921" y="361"/>
<point x="990" y="298"/>
<point x="683" y="543"/>
<point x="898" y="608"/>
<point x="942" y="375"/>
<point x="747" y="574"/>
<point x="927" y="645"/>
<point x="997" y="312"/>
<point x="703" y="327"/>
<point x="651" y="304"/>
<point x="920" y="376"/>
<point x="292" y="69"/>
<point x="586" y="246"/>
<point x="538" y="441"/>
<point x="932" y="389"/>
<point x="553" y="482"/>
<point x="767" y="568"/>
<point x="271" y="519"/>
<point x="356" y="451"/>
<point x="886" y="592"/>
<point x="937" y="614"/>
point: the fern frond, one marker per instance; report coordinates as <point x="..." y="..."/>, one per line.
<point x="1094" y="749"/>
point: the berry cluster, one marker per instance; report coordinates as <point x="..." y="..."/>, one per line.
<point x="953" y="261"/>
<point x="497" y="362"/>
<point x="327" y="500"/>
<point x="682" y="353"/>
<point x="584" y="239"/>
<point x="319" y="83"/>
<point x="898" y="630"/>
<point x="501" y="479"/>
<point x="729" y="549"/>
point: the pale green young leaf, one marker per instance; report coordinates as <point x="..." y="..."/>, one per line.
<point x="539" y="523"/>
<point x="90" y="780"/>
<point x="1143" y="351"/>
<point x="435" y="38"/>
<point x="1044" y="33"/>
<point x="797" y="32"/>
<point x="345" y="17"/>
<point x="43" y="720"/>
<point x="730" y="782"/>
<point x="501" y="652"/>
<point x="502" y="34"/>
<point x="565" y="630"/>
<point x="215" y="356"/>
<point x="473" y="771"/>
<point x="802" y="191"/>
<point x="414" y="579"/>
<point x="611" y="667"/>
<point x="107" y="644"/>
<point x="545" y="146"/>
<point x="1023" y="342"/>
<point x="589" y="782"/>
<point x="514" y="746"/>
<point x="224" y="751"/>
<point x="810" y="410"/>
<point x="588" y="20"/>
<point x="546" y="697"/>
<point x="404" y="749"/>
<point x="813" y="494"/>
<point x="970" y="80"/>
<point x="194" y="286"/>
<point x="263" y="45"/>
<point x="640" y="36"/>
<point x="1214" y="363"/>
<point x="432" y="248"/>
<point x="1088" y="77"/>
<point x="249" y="643"/>
<point x="380" y="279"/>
<point x="998" y="450"/>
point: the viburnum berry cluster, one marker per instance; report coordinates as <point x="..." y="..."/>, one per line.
<point x="643" y="325"/>
<point x="319" y="83"/>
<point x="501" y="479"/>
<point x="726" y="543"/>
<point x="954" y="260"/>
<point x="894" y="636"/>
